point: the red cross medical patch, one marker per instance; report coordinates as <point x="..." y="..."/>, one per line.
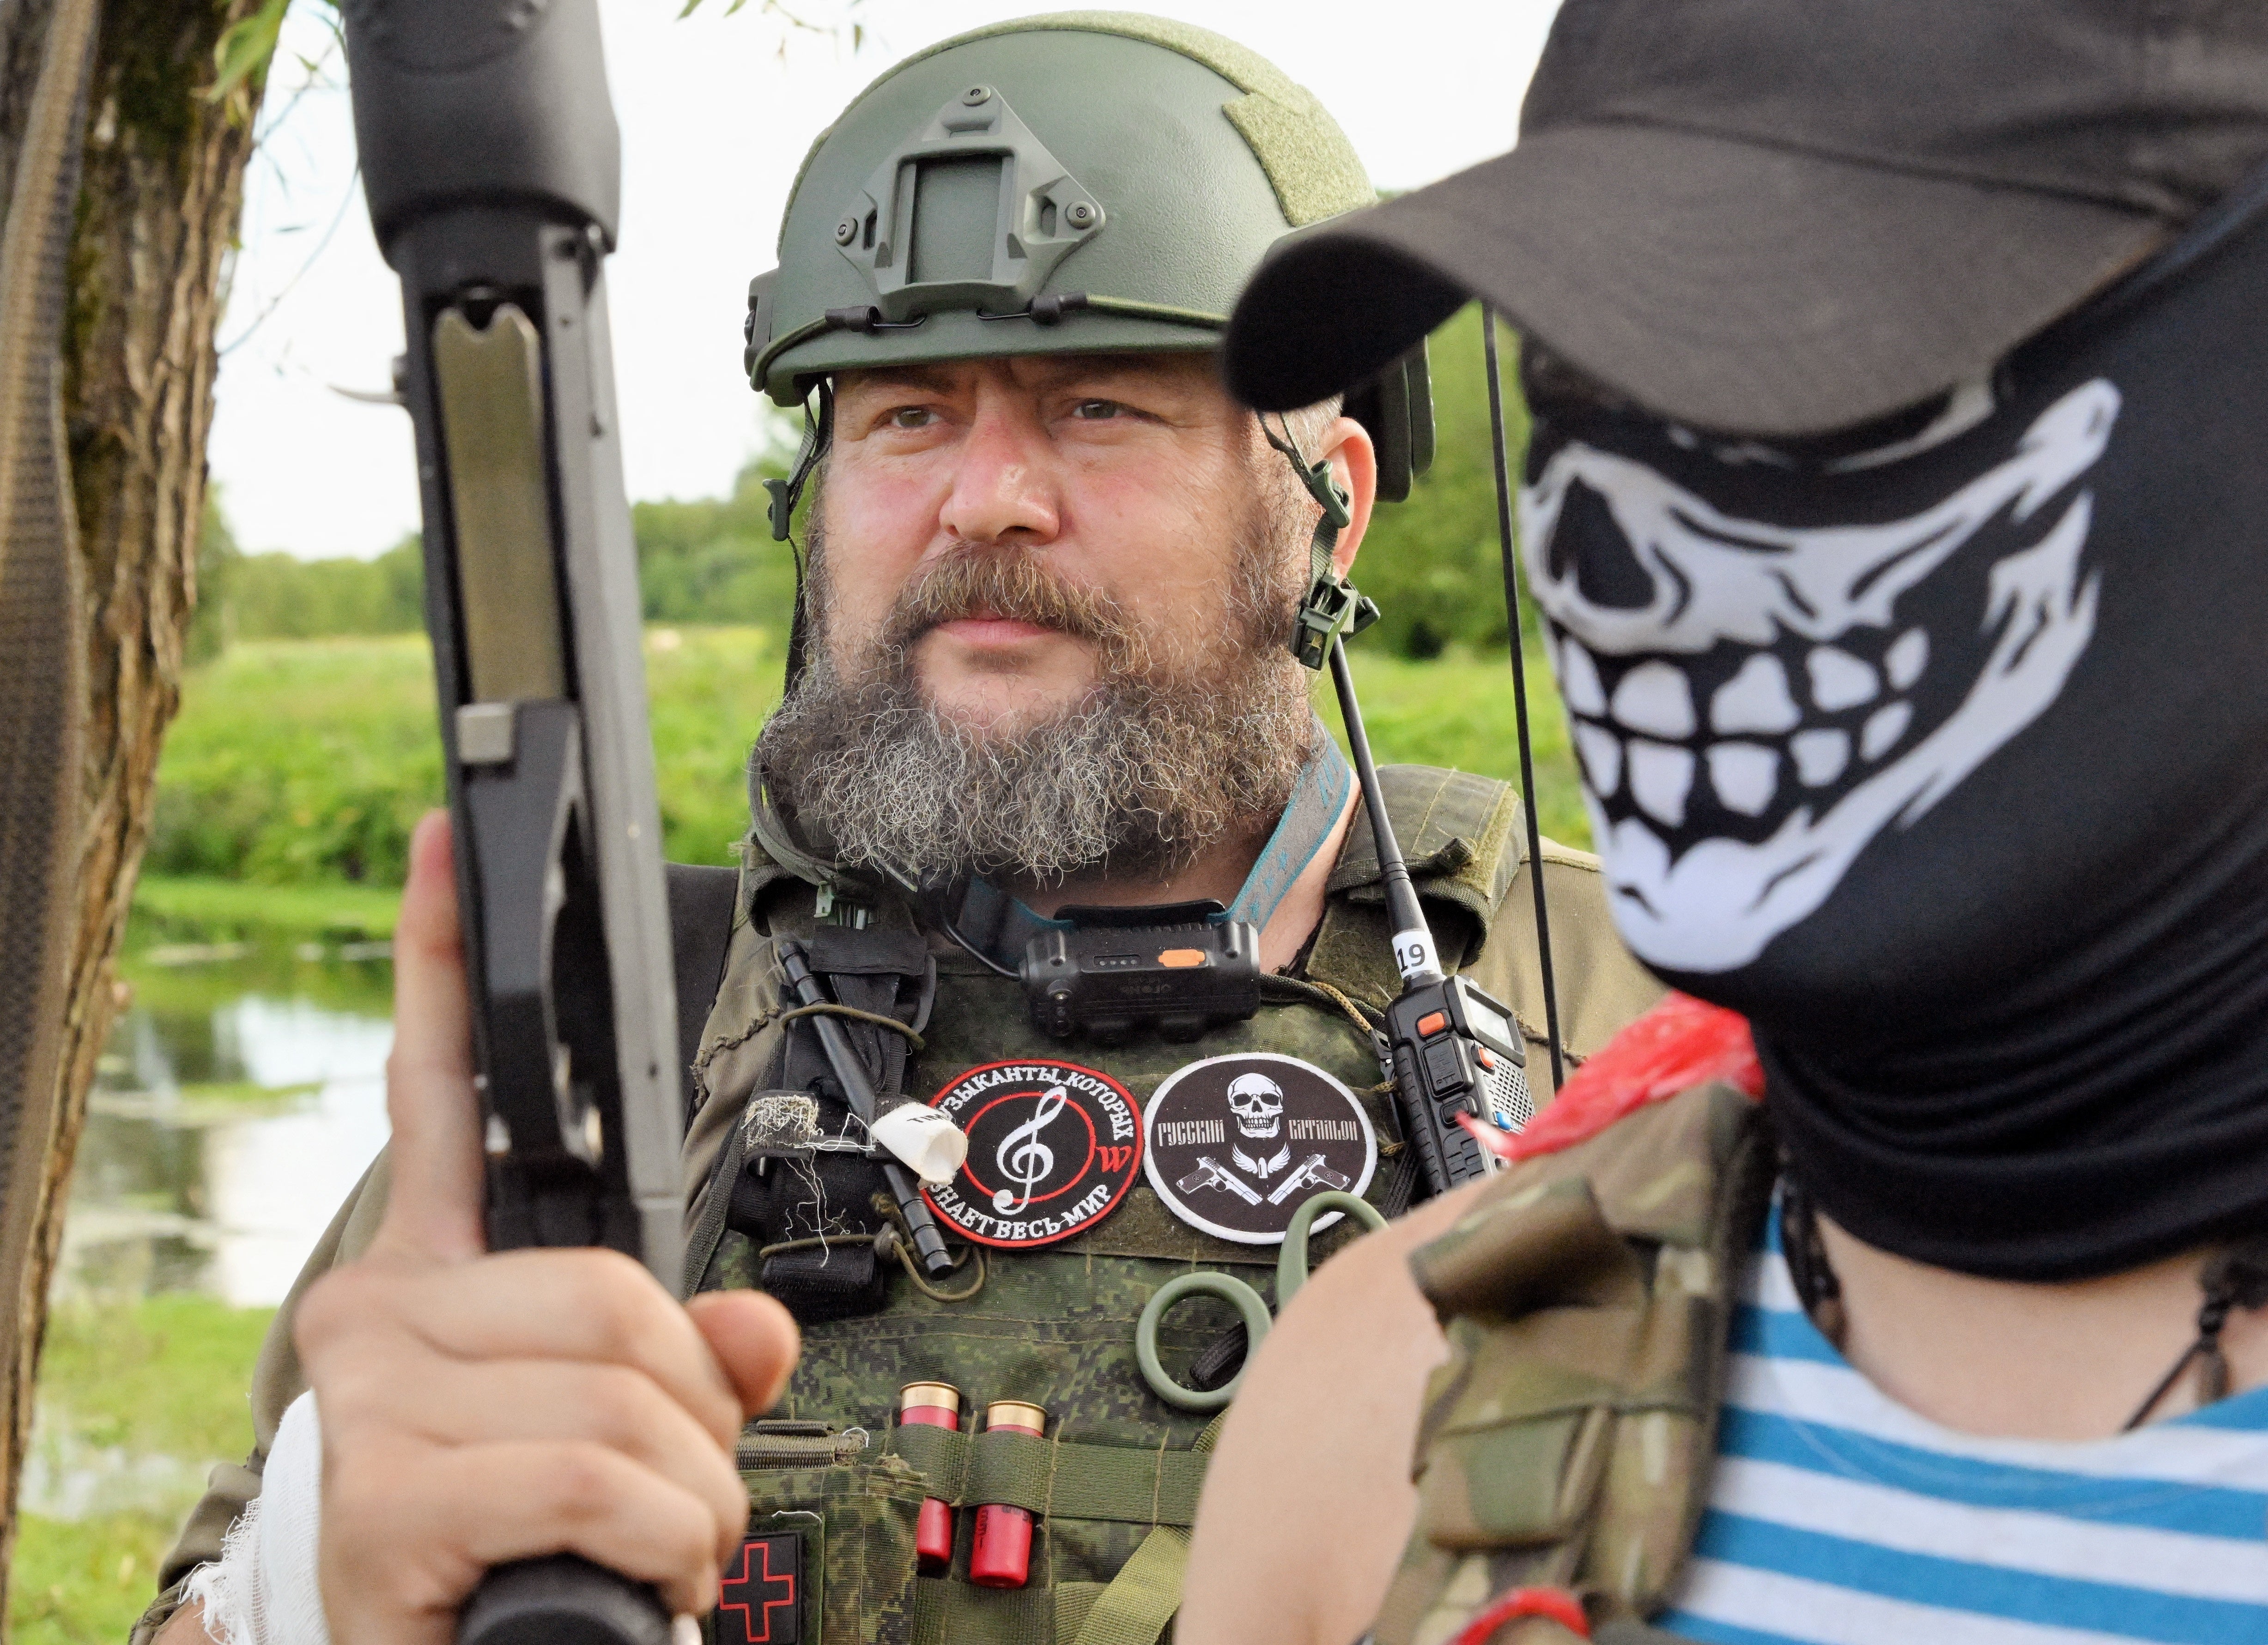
<point x="762" y="1602"/>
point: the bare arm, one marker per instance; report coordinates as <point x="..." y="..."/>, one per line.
<point x="187" y="1627"/>
<point x="1308" y="1500"/>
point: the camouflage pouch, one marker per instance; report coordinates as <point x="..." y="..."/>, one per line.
<point x="1568" y="1440"/>
<point x="830" y="1552"/>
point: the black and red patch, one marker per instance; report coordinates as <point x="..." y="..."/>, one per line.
<point x="1053" y="1149"/>
<point x="762" y="1600"/>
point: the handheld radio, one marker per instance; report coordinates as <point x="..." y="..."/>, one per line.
<point x="1453" y="1050"/>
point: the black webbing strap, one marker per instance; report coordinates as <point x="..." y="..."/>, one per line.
<point x="700" y="932"/>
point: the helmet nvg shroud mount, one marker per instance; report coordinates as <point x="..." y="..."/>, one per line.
<point x="1084" y="182"/>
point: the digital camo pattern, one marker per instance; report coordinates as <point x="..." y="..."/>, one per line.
<point x="857" y="1526"/>
<point x="1055" y="1325"/>
<point x="1567" y="1440"/>
<point x="1052" y="1325"/>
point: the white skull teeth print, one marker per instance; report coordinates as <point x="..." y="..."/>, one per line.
<point x="1752" y="704"/>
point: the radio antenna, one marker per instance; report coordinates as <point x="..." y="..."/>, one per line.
<point x="1413" y="937"/>
<point x="1513" y="640"/>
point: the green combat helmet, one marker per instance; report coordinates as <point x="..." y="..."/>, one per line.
<point x="981" y="199"/>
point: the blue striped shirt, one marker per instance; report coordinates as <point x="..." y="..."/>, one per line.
<point x="1838" y="1518"/>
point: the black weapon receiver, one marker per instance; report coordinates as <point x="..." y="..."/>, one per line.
<point x="1452" y="1049"/>
<point x="492" y="164"/>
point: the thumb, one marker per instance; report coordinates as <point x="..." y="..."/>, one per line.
<point x="754" y="1341"/>
<point x="433" y="1198"/>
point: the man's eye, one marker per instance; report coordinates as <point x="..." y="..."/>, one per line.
<point x="912" y="417"/>
<point x="1096" y="410"/>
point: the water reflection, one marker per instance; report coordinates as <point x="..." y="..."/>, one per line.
<point x="241" y="1096"/>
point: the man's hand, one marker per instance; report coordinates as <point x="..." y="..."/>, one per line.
<point x="480" y="1408"/>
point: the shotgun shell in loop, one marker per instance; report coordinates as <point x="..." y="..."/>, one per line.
<point x="932" y="1405"/>
<point x="1000" y="1555"/>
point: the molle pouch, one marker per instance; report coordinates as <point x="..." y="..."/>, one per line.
<point x="803" y="1171"/>
<point x="793" y="1174"/>
<point x="1568" y="1440"/>
<point x="829" y="1556"/>
<point x="1110" y="1536"/>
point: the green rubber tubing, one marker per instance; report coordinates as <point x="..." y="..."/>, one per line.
<point x="1290" y="1274"/>
<point x="1291" y="1266"/>
<point x="1231" y="1290"/>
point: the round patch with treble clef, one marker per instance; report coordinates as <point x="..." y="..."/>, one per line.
<point x="1052" y="1149"/>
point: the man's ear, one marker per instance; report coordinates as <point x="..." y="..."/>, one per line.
<point x="1354" y="461"/>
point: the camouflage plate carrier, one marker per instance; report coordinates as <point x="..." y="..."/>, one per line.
<point x="1568" y="1442"/>
<point x="1113" y="1488"/>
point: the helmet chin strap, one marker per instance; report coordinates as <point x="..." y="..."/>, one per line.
<point x="1331" y="606"/>
<point x="818" y="433"/>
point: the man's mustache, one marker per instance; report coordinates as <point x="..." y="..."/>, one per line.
<point x="1010" y="584"/>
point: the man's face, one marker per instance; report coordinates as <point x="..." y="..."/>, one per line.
<point x="1050" y="602"/>
<point x="1129" y="479"/>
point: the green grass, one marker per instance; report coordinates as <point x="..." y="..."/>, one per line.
<point x="297" y="768"/>
<point x="1456" y="710"/>
<point x="84" y="1581"/>
<point x="161" y="1377"/>
<point x="196" y="908"/>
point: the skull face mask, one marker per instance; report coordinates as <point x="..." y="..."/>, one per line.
<point x="1939" y="749"/>
<point x="1753" y="702"/>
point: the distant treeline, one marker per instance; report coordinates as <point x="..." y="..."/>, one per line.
<point x="1430" y="564"/>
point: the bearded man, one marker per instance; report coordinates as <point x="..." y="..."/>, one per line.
<point x="1046" y="819"/>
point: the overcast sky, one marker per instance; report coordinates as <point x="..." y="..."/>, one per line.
<point x="715" y="112"/>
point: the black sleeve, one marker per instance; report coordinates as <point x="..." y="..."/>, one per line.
<point x="700" y="929"/>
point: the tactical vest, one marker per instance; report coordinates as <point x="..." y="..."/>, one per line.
<point x="1568" y="1441"/>
<point x="1113" y="1487"/>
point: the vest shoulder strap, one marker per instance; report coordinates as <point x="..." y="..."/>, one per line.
<point x="1460" y="833"/>
<point x="1568" y="1440"/>
<point x="701" y="904"/>
<point x="1461" y="837"/>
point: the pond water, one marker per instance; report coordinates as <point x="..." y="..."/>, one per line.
<point x="241" y="1096"/>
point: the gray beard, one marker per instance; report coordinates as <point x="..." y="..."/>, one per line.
<point x="1142" y="775"/>
<point x="1132" y="782"/>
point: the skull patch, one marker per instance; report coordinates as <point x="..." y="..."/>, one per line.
<point x="1257" y="1102"/>
<point x="1234" y="1145"/>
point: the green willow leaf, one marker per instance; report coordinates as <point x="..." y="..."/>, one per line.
<point x="245" y="49"/>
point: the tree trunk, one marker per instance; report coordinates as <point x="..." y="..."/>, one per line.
<point x="160" y="190"/>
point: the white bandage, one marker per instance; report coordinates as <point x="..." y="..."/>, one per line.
<point x="265" y="1589"/>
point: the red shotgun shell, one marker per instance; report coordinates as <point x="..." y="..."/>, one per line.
<point x="932" y="1405"/>
<point x="1000" y="1555"/>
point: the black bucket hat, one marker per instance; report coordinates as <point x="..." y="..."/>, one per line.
<point x="1782" y="217"/>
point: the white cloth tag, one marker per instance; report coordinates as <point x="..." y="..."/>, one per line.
<point x="924" y="1139"/>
